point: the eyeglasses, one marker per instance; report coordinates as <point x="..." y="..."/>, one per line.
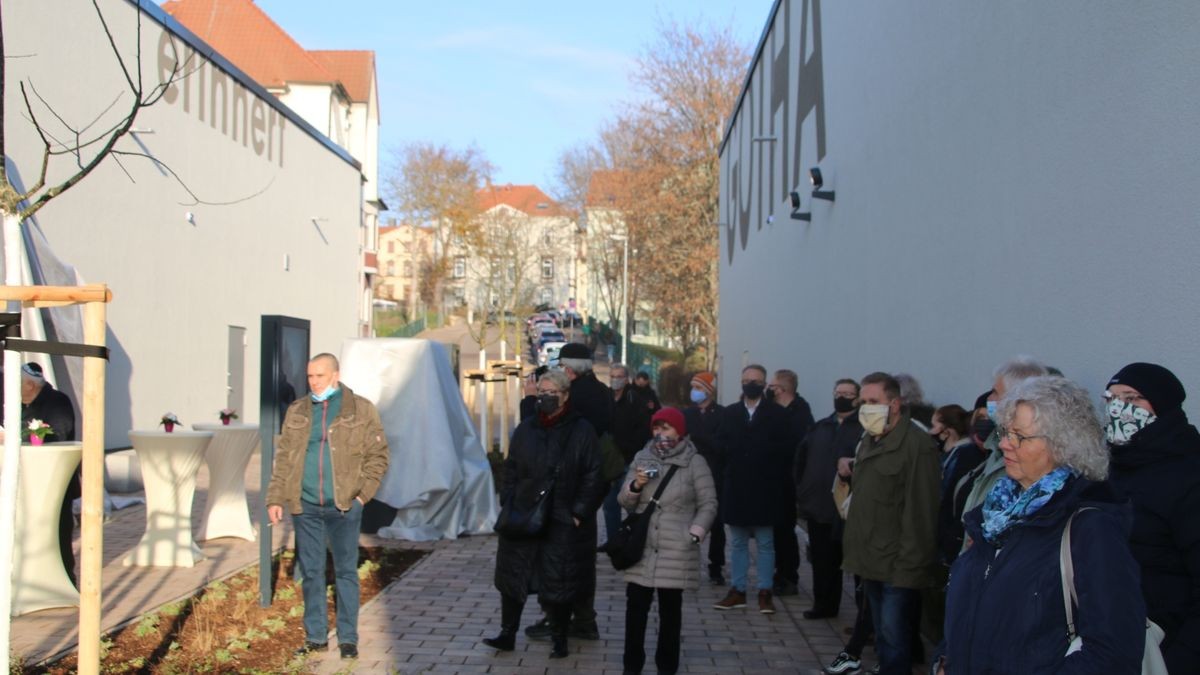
<point x="543" y="392"/>
<point x="1016" y="439"/>
<point x="1108" y="397"/>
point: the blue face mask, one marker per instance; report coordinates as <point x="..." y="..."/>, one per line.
<point x="991" y="410"/>
<point x="324" y="396"/>
<point x="698" y="396"/>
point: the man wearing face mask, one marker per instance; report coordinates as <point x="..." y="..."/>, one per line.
<point x="782" y="391"/>
<point x="754" y="434"/>
<point x="329" y="462"/>
<point x="703" y="418"/>
<point x="891" y="526"/>
<point x="984" y="476"/>
<point x="630" y="430"/>
<point x="1156" y="464"/>
<point x="830" y="439"/>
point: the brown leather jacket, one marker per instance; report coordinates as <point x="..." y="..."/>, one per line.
<point x="358" y="451"/>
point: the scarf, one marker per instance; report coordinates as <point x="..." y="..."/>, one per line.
<point x="1007" y="505"/>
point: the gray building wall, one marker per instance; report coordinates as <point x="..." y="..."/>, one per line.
<point x="1011" y="178"/>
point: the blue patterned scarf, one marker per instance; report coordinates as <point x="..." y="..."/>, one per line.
<point x="1007" y="505"/>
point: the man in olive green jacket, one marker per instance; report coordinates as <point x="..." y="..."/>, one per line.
<point x="330" y="460"/>
<point x="891" y="526"/>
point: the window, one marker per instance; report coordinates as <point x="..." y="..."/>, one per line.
<point x="460" y="267"/>
<point x="547" y="268"/>
<point x="391" y="247"/>
<point x="547" y="239"/>
<point x="547" y="296"/>
<point x="408" y="268"/>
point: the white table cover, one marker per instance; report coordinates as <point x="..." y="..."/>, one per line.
<point x="438" y="477"/>
<point x="169" y="464"/>
<point x="39" y="579"/>
<point x="226" y="512"/>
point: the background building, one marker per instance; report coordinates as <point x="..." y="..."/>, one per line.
<point x="263" y="213"/>
<point x="405" y="256"/>
<point x="1010" y="178"/>
<point x="334" y="91"/>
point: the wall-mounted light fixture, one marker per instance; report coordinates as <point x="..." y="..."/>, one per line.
<point x="796" y="215"/>
<point x="814" y="175"/>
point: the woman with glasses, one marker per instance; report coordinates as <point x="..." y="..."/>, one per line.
<point x="555" y="451"/>
<point x="1156" y="463"/>
<point x="1005" y="610"/>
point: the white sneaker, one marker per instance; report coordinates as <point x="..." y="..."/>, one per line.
<point x="843" y="663"/>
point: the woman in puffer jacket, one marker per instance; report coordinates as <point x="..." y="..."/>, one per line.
<point x="684" y="513"/>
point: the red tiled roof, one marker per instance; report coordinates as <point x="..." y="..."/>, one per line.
<point x="355" y="69"/>
<point x="527" y="198"/>
<point x="244" y="34"/>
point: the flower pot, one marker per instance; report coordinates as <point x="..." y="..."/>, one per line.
<point x="169" y="426"/>
<point x="225" y="420"/>
<point x="34" y="439"/>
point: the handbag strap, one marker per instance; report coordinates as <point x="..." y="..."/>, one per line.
<point x="663" y="485"/>
<point x="1067" y="569"/>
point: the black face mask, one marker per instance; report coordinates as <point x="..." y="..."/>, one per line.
<point x="547" y="403"/>
<point x="842" y="404"/>
<point x="983" y="428"/>
<point x="753" y="390"/>
<point x="770" y="394"/>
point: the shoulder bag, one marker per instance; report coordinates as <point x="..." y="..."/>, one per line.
<point x="1152" y="660"/>
<point x="626" y="547"/>
<point x="529" y="520"/>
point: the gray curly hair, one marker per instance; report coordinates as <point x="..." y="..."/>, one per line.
<point x="559" y="379"/>
<point x="1064" y="414"/>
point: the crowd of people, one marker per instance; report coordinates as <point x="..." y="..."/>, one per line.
<point x="1008" y="537"/>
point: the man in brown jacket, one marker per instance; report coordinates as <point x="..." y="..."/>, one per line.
<point x="329" y="462"/>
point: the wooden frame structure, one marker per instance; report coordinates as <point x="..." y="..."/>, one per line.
<point x="94" y="299"/>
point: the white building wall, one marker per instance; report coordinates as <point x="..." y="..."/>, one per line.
<point x="1011" y="178"/>
<point x="278" y="233"/>
<point x="315" y="103"/>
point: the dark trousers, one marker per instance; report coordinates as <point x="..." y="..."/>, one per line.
<point x="317" y="527"/>
<point x="787" y="553"/>
<point x="66" y="526"/>
<point x="864" y="626"/>
<point x="826" y="558"/>
<point x="670" y="623"/>
<point x="716" y="546"/>
<point x="893" y="610"/>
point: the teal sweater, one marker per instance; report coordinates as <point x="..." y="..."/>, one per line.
<point x="317" y="487"/>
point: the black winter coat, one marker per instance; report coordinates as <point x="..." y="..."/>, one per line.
<point x="1159" y="470"/>
<point x="556" y="565"/>
<point x="631" y="423"/>
<point x="54" y="408"/>
<point x="962" y="460"/>
<point x="816" y="465"/>
<point x="1004" y="607"/>
<point x="704" y="428"/>
<point x="756" y="453"/>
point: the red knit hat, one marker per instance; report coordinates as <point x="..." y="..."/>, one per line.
<point x="706" y="381"/>
<point x="671" y="416"/>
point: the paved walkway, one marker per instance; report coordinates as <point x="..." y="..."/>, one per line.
<point x="431" y="621"/>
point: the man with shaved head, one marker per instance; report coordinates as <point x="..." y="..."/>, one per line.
<point x="329" y="462"/>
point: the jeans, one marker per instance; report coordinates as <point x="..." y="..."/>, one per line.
<point x="670" y="624"/>
<point x="893" y="610"/>
<point x="739" y="538"/>
<point x="317" y="527"/>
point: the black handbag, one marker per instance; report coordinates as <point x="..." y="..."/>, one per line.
<point x="528" y="521"/>
<point x="626" y="547"/>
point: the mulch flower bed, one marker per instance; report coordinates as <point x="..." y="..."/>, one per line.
<point x="222" y="629"/>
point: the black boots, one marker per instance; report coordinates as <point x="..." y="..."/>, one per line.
<point x="510" y="620"/>
<point x="560" y="620"/>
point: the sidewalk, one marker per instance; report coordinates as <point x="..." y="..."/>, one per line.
<point x="431" y="621"/>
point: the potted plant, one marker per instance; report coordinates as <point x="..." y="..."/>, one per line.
<point x="226" y="415"/>
<point x="169" y="421"/>
<point x="36" y="432"/>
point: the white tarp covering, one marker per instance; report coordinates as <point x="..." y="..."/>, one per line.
<point x="439" y="477"/>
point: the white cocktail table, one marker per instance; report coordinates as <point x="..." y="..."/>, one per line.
<point x="39" y="580"/>
<point x="226" y="513"/>
<point x="169" y="463"/>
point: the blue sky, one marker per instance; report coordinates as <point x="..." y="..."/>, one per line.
<point x="521" y="80"/>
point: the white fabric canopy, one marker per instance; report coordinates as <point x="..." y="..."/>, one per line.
<point x="439" y="477"/>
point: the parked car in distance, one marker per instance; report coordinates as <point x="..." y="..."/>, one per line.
<point x="548" y="354"/>
<point x="549" y="336"/>
<point x="539" y="327"/>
